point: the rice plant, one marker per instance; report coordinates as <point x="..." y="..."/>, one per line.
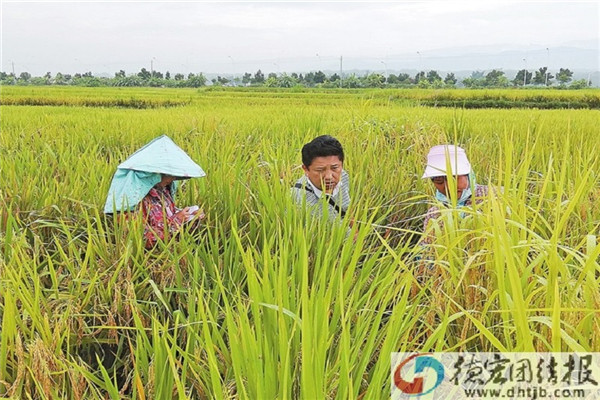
<point x="264" y="301"/>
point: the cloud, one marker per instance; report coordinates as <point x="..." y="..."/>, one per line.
<point x="211" y="35"/>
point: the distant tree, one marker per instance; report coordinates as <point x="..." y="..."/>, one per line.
<point x="8" y="79"/>
<point x="247" y="78"/>
<point x="179" y="77"/>
<point x="320" y="77"/>
<point x="351" y="82"/>
<point x="271" y="81"/>
<point x="287" y="81"/>
<point x="433" y="76"/>
<point x="259" y="77"/>
<point x="294" y="75"/>
<point x="129" y="81"/>
<point x="167" y="75"/>
<point x="477" y="74"/>
<point x="579" y="84"/>
<point x="144" y="74"/>
<point x="471" y="82"/>
<point x="419" y="76"/>
<point x="495" y="78"/>
<point x="93" y="82"/>
<point x="450" y="79"/>
<point x="404" y="78"/>
<point x="155" y="82"/>
<point x="392" y="79"/>
<point x="438" y="84"/>
<point x="374" y="80"/>
<point x="39" y="81"/>
<point x="334" y="78"/>
<point x="120" y="74"/>
<point x="475" y="80"/>
<point x="25" y="76"/>
<point x="87" y="79"/>
<point x="540" y="76"/>
<point x="522" y="75"/>
<point x="272" y="75"/>
<point x="170" y="83"/>
<point x="195" y="80"/>
<point x="59" y="79"/>
<point x="309" y="79"/>
<point x="424" y="84"/>
<point x="564" y="75"/>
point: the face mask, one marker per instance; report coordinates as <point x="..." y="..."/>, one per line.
<point x="466" y="194"/>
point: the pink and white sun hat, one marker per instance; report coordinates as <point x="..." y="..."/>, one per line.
<point x="440" y="156"/>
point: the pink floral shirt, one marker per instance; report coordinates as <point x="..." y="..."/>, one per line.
<point x="158" y="209"/>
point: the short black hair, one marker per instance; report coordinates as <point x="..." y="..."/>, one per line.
<point x="321" y="146"/>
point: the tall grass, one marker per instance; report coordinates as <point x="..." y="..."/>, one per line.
<point x="264" y="302"/>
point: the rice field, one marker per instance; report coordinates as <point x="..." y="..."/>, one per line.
<point x="265" y="302"/>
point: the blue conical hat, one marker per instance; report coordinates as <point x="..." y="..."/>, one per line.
<point x="163" y="156"/>
<point x="140" y="172"/>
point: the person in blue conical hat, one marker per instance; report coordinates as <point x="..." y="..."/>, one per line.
<point x="147" y="181"/>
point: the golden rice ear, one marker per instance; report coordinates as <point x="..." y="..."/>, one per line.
<point x="250" y="304"/>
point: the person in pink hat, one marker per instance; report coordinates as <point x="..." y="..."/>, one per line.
<point x="441" y="160"/>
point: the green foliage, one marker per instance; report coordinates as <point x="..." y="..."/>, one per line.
<point x="579" y="84"/>
<point x="419" y="77"/>
<point x="564" y="76"/>
<point x="374" y="81"/>
<point x="263" y="301"/>
<point x="450" y="79"/>
<point x="259" y="77"/>
<point x="496" y="78"/>
<point x="433" y="76"/>
<point x="287" y="81"/>
<point x="522" y="78"/>
<point x="431" y="79"/>
<point x="543" y="77"/>
<point x="472" y="82"/>
<point x="25" y="76"/>
<point x="351" y="82"/>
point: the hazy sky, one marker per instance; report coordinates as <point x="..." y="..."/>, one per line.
<point x="275" y="36"/>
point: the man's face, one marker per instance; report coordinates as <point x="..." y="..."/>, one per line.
<point x="441" y="184"/>
<point x="324" y="172"/>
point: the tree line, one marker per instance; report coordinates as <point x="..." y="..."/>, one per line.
<point x="432" y="79"/>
